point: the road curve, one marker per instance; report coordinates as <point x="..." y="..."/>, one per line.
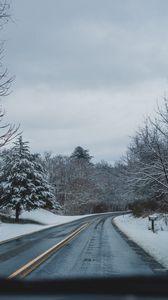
<point x="99" y="250"/>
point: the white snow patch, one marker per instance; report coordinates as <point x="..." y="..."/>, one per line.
<point x="156" y="244"/>
<point x="9" y="231"/>
<point x="46" y="217"/>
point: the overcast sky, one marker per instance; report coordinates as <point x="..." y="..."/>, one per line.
<point x="87" y="71"/>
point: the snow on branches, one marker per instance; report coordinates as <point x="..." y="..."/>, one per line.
<point x="23" y="180"/>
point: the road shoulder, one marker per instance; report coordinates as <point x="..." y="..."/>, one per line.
<point x="151" y="260"/>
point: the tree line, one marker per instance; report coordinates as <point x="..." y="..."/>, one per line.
<point x="65" y="184"/>
<point x="75" y="185"/>
<point x="81" y="186"/>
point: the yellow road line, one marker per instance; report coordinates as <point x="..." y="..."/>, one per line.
<point x="33" y="264"/>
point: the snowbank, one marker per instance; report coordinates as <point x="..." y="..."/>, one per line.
<point x="9" y="231"/>
<point x="156" y="244"/>
<point x="47" y="218"/>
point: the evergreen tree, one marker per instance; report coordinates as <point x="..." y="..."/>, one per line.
<point x="80" y="153"/>
<point x="24" y="184"/>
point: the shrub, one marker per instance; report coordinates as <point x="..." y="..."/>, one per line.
<point x="143" y="208"/>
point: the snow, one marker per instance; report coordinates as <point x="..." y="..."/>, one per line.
<point x="24" y="180"/>
<point x="9" y="231"/>
<point x="48" y="218"/>
<point x="139" y="230"/>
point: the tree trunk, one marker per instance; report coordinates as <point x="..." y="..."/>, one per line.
<point x="17" y="213"/>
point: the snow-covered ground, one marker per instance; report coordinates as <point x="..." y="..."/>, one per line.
<point x="139" y="230"/>
<point x="47" y="218"/>
<point x="8" y="231"/>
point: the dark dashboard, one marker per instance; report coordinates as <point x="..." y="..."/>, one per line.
<point x="91" y="288"/>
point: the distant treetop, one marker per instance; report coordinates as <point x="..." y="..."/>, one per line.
<point x="80" y="153"/>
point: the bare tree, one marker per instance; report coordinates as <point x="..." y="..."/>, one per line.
<point x="8" y="131"/>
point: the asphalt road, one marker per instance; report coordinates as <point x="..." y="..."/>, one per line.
<point x="99" y="250"/>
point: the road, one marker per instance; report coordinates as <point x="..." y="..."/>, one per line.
<point x="98" y="250"/>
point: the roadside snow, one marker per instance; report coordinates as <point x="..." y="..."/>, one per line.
<point x="137" y="229"/>
<point x="48" y="218"/>
<point x="9" y="231"/>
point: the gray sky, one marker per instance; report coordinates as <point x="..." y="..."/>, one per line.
<point x="87" y="71"/>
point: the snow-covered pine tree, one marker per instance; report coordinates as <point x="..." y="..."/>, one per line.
<point x="24" y="182"/>
<point x="41" y="181"/>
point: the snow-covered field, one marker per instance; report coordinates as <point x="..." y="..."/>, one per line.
<point x="138" y="229"/>
<point x="8" y="231"/>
